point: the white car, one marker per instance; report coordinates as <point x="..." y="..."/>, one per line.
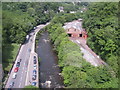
<point x="35" y="66"/>
<point x="14" y="75"/>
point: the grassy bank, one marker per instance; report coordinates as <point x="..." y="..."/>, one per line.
<point x="9" y="54"/>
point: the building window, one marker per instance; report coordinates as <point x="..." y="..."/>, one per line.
<point x="70" y="35"/>
<point x="80" y="35"/>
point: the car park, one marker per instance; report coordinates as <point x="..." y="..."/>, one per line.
<point x="34" y="83"/>
<point x="11" y="84"/>
<point x="34" y="72"/>
<point x="14" y="75"/>
<point x="16" y="69"/>
<point x="34" y="77"/>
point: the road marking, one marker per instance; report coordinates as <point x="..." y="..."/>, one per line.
<point x="21" y="79"/>
<point x="77" y="41"/>
<point x="22" y="72"/>
<point x="19" y="84"/>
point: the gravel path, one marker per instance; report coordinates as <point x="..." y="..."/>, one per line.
<point x="88" y="54"/>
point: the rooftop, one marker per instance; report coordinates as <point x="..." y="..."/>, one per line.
<point x="76" y="24"/>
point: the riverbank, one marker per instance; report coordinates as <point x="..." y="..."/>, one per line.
<point x="49" y="70"/>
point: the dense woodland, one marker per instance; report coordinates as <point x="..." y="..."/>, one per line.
<point x="100" y="21"/>
<point x="19" y="18"/>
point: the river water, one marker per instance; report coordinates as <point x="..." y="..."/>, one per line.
<point x="49" y="71"/>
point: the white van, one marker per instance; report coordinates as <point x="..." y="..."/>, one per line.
<point x="14" y="75"/>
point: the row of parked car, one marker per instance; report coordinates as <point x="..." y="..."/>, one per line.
<point x="15" y="73"/>
<point x="34" y="75"/>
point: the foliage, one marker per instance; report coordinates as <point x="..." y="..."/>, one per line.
<point x="20" y="18"/>
<point x="76" y="71"/>
<point x="9" y="55"/>
<point x="100" y="20"/>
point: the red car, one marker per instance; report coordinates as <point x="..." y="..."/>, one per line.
<point x="16" y="69"/>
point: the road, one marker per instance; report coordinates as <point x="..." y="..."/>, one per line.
<point x="24" y="54"/>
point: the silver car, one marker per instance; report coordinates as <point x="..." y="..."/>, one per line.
<point x="14" y="75"/>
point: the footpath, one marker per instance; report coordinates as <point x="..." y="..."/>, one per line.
<point x="88" y="54"/>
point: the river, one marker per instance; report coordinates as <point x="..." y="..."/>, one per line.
<point x="49" y="70"/>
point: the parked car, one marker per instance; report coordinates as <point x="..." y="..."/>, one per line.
<point x="20" y="60"/>
<point x="35" y="66"/>
<point x="34" y="83"/>
<point x="34" y="72"/>
<point x="34" y="77"/>
<point x="18" y="64"/>
<point x="14" y="75"/>
<point x="11" y="84"/>
<point x="34" y="61"/>
<point x="16" y="69"/>
<point x="34" y="57"/>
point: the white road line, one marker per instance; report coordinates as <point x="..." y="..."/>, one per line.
<point x="20" y="84"/>
<point x="77" y="41"/>
<point x="21" y="79"/>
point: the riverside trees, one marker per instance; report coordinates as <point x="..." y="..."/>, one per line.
<point x="100" y="20"/>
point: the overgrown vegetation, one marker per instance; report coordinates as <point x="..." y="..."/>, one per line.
<point x="100" y="20"/>
<point x="10" y="52"/>
<point x="76" y="71"/>
<point x="19" y="18"/>
<point x="101" y="23"/>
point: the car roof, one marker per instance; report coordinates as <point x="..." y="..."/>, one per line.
<point x="14" y="73"/>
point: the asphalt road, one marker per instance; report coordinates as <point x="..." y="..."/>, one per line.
<point x="24" y="54"/>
